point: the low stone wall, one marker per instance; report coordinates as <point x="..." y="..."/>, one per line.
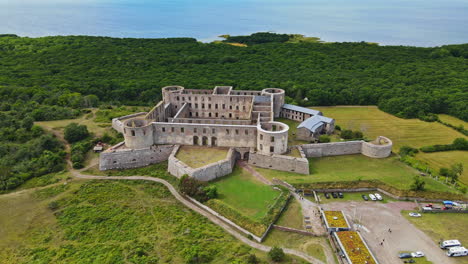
<point x="280" y="162"/>
<point x="208" y="172"/>
<point x="368" y="149"/>
<point x="117" y="123"/>
<point x="122" y="158"/>
<point x="293" y="230"/>
<point x="332" y="149"/>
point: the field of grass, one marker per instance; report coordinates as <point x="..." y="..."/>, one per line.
<point x="453" y="120"/>
<point x="111" y="222"/>
<point x="88" y="119"/>
<point x="353" y="167"/>
<point x="292" y="215"/>
<point x="443" y="226"/>
<point x="294" y="153"/>
<point x="292" y="132"/>
<point x="310" y="245"/>
<point x="246" y="194"/>
<point x="373" y="122"/>
<point x="198" y="156"/>
<point x="437" y="160"/>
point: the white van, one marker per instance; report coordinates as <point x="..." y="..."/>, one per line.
<point x="457" y="252"/>
<point x="450" y="243"/>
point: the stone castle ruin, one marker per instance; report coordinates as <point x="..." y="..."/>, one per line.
<point x="240" y="120"/>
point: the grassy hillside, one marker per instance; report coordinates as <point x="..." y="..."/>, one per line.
<point x="354" y="167"/>
<point x="373" y="122"/>
<point x="110" y="222"/>
<point x="453" y="120"/>
<point x="446" y="159"/>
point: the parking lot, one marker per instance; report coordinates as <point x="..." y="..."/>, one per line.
<point x="377" y="218"/>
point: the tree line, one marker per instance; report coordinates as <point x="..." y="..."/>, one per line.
<point x="410" y="82"/>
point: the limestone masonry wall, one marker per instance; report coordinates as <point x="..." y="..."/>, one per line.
<point x="280" y="162"/>
<point x="332" y="149"/>
<point x="133" y="158"/>
<point x="209" y="172"/>
<point x="118" y="123"/>
<point x="380" y="148"/>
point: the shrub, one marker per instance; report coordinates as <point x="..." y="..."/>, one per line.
<point x="276" y="254"/>
<point x="337" y="127"/>
<point x="75" y="132"/>
<point x="252" y="259"/>
<point x="418" y="184"/>
<point x="324" y="139"/>
<point x="408" y="151"/>
<point x="199" y="190"/>
<point x="53" y="205"/>
<point x="457" y="144"/>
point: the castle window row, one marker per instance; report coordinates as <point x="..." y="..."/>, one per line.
<point x="206" y="131"/>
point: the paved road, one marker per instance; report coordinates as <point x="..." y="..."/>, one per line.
<point x="377" y="218"/>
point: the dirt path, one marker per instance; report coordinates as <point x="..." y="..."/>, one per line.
<point x="244" y="165"/>
<point x="311" y="210"/>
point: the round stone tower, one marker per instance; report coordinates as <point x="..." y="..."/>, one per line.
<point x="272" y="138"/>
<point x="277" y="97"/>
<point x="169" y="90"/>
<point x="138" y="133"/>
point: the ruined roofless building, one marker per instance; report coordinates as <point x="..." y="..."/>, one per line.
<point x="222" y="117"/>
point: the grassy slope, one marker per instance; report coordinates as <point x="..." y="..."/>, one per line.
<point x="443" y="226"/>
<point x="197" y="156"/>
<point x="310" y="245"/>
<point x="244" y="193"/>
<point x="353" y="167"/>
<point x="446" y="159"/>
<point x="453" y="120"/>
<point x="292" y="215"/>
<point x="373" y="122"/>
<point x="109" y="222"/>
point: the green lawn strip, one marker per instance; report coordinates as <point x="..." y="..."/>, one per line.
<point x="247" y="202"/>
<point x="354" y="196"/>
<point x="197" y="156"/>
<point x="158" y="170"/>
<point x="307" y="244"/>
<point x="453" y="120"/>
<point x="292" y="216"/>
<point x="442" y="226"/>
<point x="244" y="193"/>
<point x="106" y="115"/>
<point x="357" y="167"/>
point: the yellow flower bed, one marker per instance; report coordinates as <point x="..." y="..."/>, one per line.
<point x="355" y="247"/>
<point x="335" y="219"/>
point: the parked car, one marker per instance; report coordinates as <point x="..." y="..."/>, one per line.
<point x="415" y="214"/>
<point x="378" y="196"/>
<point x="327" y="195"/>
<point x="404" y="255"/>
<point x="340" y="194"/>
<point x="409" y="261"/>
<point x="450" y="243"/>
<point x="365" y="197"/>
<point x="417" y="254"/>
<point x="372" y="197"/>
<point x="335" y="195"/>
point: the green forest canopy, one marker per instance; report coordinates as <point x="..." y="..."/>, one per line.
<point x="405" y="81"/>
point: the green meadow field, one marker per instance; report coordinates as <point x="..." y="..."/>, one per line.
<point x="373" y="122"/>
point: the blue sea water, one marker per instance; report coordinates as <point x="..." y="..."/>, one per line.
<point x="388" y="22"/>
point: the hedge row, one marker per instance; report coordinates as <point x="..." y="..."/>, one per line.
<point x="383" y="186"/>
